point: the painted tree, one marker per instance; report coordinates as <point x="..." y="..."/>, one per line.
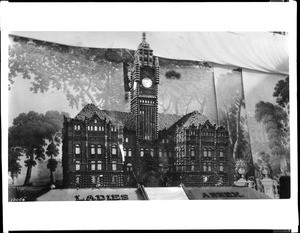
<point x="83" y="74"/>
<point x="184" y="89"/>
<point x="281" y="91"/>
<point x="55" y="120"/>
<point x="276" y="125"/>
<point x="231" y="102"/>
<point x="31" y="132"/>
<point x="14" y="167"/>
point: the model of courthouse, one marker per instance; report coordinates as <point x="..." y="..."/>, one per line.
<point x="122" y="149"/>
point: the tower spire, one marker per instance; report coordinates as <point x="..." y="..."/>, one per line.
<point x="144" y="43"/>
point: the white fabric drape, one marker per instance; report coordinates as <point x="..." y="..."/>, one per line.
<point x="261" y="51"/>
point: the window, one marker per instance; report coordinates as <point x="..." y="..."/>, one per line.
<point x="129" y="153"/>
<point x="77" y="166"/>
<point x="152" y="152"/>
<point x="192" y="167"/>
<point x="114" y="150"/>
<point x="93" y="179"/>
<point x="205" y="152"/>
<point x="101" y="128"/>
<point x="192" y="151"/>
<point x="209" y="167"/>
<point x="160" y="167"/>
<point x="114" y="166"/>
<point x="209" y="152"/>
<point x="99" y="165"/>
<point x="204" y="167"/>
<point x="125" y="151"/>
<point x="93" y="151"/>
<point x="77" y="179"/>
<point x="75" y="127"/>
<point x="221" y="167"/>
<point x="95" y="121"/>
<point x="77" y="149"/>
<point x="142" y="152"/>
<point x="99" y="149"/>
<point x="126" y="139"/>
<point x="114" y="179"/>
<point x="221" y="152"/>
<point x="129" y="167"/>
<point x="96" y="128"/>
<point x="167" y="140"/>
<point x="93" y="166"/>
<point x="89" y="128"/>
<point x="98" y="179"/>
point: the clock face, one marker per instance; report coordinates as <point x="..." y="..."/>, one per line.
<point x="147" y="82"/>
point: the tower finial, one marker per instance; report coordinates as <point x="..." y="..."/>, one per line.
<point x="144" y="43"/>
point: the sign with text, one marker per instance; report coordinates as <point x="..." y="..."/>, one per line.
<point x="113" y="197"/>
<point x="221" y="195"/>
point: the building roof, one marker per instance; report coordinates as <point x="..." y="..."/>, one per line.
<point x="194" y="118"/>
<point x="165" y="121"/>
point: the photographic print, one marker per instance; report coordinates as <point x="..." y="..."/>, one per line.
<point x="93" y="119"/>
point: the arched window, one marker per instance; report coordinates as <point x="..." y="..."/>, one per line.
<point x="77" y="180"/>
<point x="221" y="167"/>
<point x="96" y="128"/>
<point x="142" y="152"/>
<point x="209" y="152"/>
<point x="99" y="149"/>
<point x="95" y="121"/>
<point x="114" y="150"/>
<point x="89" y="128"/>
<point x="93" y="166"/>
<point x="204" y="167"/>
<point x="205" y="152"/>
<point x="221" y="152"/>
<point x="99" y="165"/>
<point x="129" y="152"/>
<point x="209" y="167"/>
<point x="129" y="167"/>
<point x="93" y="151"/>
<point x="77" y="149"/>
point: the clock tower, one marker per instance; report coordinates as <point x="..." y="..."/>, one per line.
<point x="144" y="89"/>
